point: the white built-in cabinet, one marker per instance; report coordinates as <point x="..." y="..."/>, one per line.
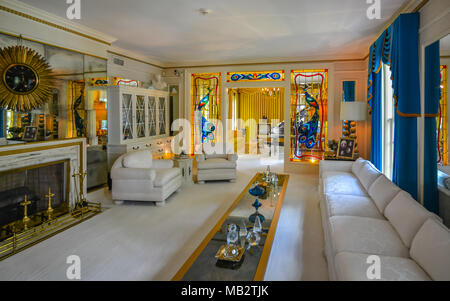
<point x="137" y="119"/>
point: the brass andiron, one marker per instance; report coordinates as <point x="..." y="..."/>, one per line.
<point x="25" y="219"/>
<point x="49" y="197"/>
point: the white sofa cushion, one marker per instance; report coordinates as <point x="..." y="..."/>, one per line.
<point x="165" y="175"/>
<point x="406" y="215"/>
<point x="351" y="205"/>
<point x="217" y="163"/>
<point x="365" y="235"/>
<point x="353" y="267"/>
<point x="138" y="159"/>
<point x="357" y="165"/>
<point x="383" y="191"/>
<point x="431" y="249"/>
<point x="336" y="182"/>
<point x="368" y="174"/>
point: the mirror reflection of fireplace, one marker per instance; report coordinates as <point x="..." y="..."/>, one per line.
<point x="34" y="182"/>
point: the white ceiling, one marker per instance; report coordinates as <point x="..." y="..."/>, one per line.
<point x="236" y="31"/>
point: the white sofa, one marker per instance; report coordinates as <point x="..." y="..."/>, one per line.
<point x="137" y="177"/>
<point x="363" y="214"/>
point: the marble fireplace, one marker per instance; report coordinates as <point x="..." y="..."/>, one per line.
<point x="31" y="169"/>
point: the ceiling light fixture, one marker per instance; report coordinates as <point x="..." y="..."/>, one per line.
<point x="204" y="11"/>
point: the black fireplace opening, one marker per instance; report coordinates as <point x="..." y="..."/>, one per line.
<point x="33" y="182"/>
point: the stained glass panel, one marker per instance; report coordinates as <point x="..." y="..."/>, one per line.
<point x="256" y="76"/>
<point x="205" y="102"/>
<point x="309" y="111"/>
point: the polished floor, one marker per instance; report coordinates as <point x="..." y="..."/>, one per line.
<point x="139" y="241"/>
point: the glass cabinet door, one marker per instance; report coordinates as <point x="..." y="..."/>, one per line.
<point x="152" y="116"/>
<point x="140" y="116"/>
<point x="127" y="117"/>
<point x="162" y="115"/>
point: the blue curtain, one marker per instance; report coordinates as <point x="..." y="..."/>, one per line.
<point x="406" y="83"/>
<point x="397" y="47"/>
<point x="379" y="53"/>
<point x="432" y="96"/>
<point x="376" y="136"/>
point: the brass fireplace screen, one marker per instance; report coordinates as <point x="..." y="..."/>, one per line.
<point x="24" y="192"/>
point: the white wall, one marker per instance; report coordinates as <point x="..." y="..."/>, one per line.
<point x="131" y="69"/>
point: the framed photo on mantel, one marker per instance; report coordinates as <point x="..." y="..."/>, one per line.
<point x="346" y="148"/>
<point x="30" y="133"/>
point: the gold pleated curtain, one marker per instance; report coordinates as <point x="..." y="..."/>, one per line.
<point x="254" y="103"/>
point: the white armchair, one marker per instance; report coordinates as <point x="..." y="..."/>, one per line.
<point x="137" y="177"/>
<point x="213" y="167"/>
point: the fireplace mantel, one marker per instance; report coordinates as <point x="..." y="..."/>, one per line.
<point x="30" y="154"/>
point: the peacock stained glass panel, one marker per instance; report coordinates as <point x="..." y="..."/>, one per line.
<point x="205" y="107"/>
<point x="309" y="110"/>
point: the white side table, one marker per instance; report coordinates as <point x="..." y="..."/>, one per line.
<point x="186" y="168"/>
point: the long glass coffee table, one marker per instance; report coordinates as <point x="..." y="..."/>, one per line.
<point x="202" y="264"/>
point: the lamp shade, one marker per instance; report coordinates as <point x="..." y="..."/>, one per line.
<point x="354" y="110"/>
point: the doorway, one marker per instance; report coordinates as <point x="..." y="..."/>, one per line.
<point x="257" y="120"/>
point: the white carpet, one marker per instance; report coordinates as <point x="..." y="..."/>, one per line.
<point x="138" y="241"/>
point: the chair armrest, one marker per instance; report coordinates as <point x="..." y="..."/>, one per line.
<point x="200" y="158"/>
<point x="162" y="164"/>
<point x="232" y="157"/>
<point x="331" y="165"/>
<point x="133" y="174"/>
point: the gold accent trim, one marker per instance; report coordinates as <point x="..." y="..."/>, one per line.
<point x="179" y="275"/>
<point x="264" y="259"/>
<point x="25" y="101"/>
<point x="419" y="7"/>
<point x="260" y="270"/>
<point x="51" y="45"/>
<point x="26" y="16"/>
<point x="137" y="60"/>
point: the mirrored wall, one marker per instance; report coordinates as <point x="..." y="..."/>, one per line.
<point x="77" y="106"/>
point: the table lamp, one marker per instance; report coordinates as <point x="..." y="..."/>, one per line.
<point x="352" y="111"/>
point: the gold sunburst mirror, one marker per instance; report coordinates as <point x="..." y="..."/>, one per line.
<point x="26" y="82"/>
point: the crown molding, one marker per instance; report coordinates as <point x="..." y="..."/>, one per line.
<point x="35" y="14"/>
<point x="302" y="60"/>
